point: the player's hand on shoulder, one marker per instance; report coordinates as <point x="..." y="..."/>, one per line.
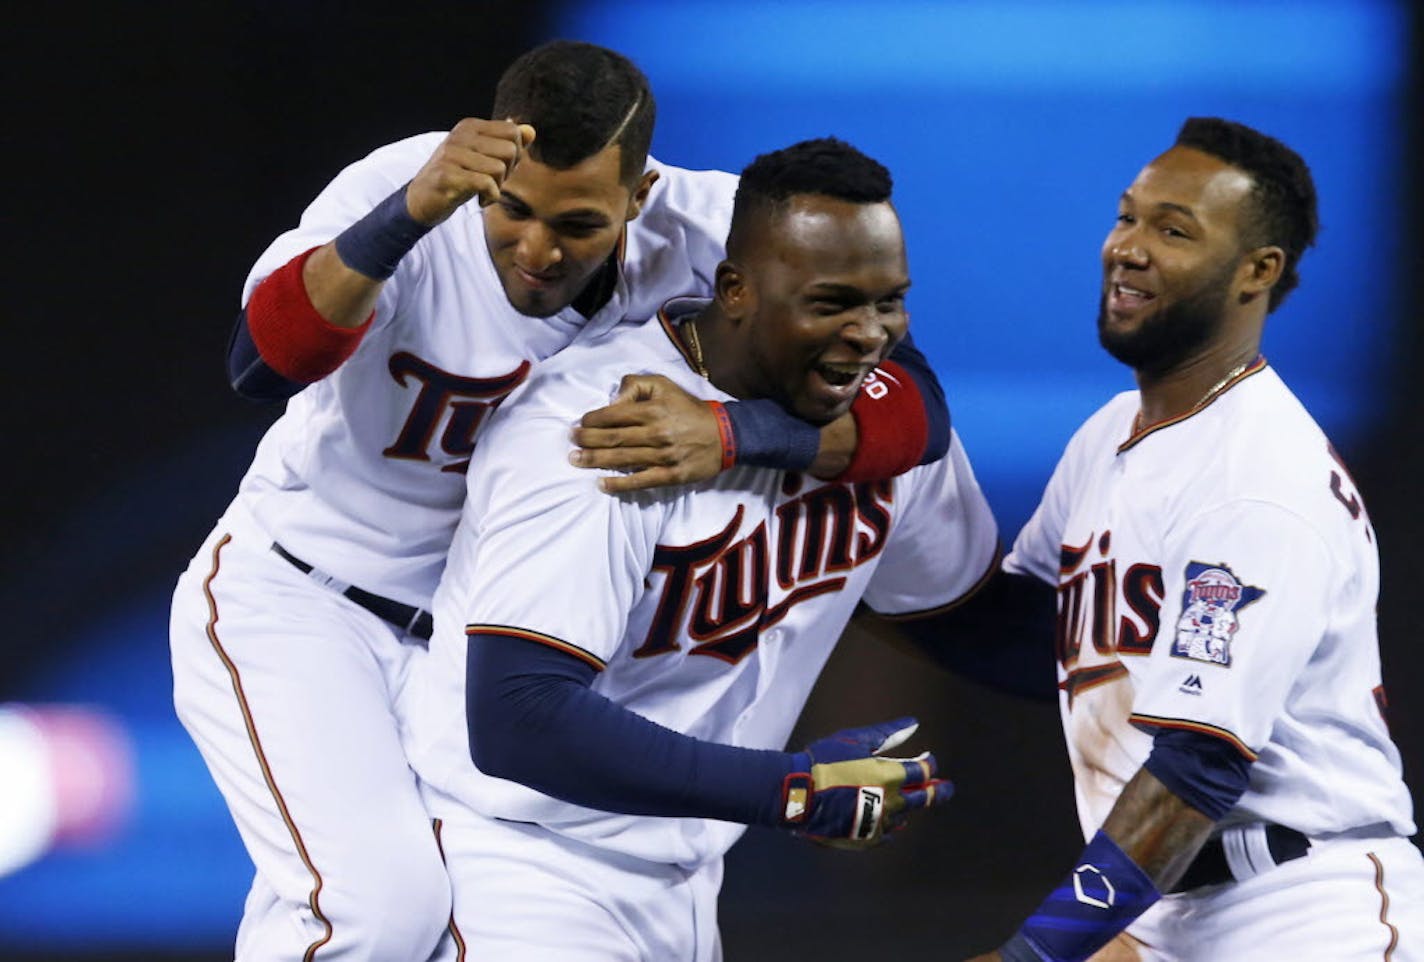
<point x="472" y="161"/>
<point x="653" y="429"/>
<point x="847" y="795"/>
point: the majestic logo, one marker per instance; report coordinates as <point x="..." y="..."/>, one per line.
<point x="1209" y="621"/>
<point x="1192" y="686"/>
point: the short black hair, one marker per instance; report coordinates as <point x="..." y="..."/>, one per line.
<point x="826" y="166"/>
<point x="579" y="98"/>
<point x="1283" y="204"/>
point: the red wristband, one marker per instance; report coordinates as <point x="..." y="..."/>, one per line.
<point x="891" y="427"/>
<point x="292" y="337"/>
<point x="724" y="432"/>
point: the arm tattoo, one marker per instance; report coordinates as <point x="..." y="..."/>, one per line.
<point x="1156" y="829"/>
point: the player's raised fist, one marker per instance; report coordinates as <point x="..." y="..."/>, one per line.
<point x="847" y="796"/>
<point x="472" y="161"/>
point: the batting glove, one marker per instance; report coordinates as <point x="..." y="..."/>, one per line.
<point x="842" y="794"/>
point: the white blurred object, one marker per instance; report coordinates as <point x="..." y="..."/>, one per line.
<point x="66" y="779"/>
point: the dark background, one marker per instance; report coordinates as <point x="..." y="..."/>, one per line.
<point x="157" y="148"/>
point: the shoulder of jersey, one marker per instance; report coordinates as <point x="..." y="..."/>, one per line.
<point x="694" y="196"/>
<point x="400" y="160"/>
<point x="1107" y="425"/>
<point x="1267" y="427"/>
<point x="586" y="374"/>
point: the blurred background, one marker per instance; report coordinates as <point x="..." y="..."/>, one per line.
<point x="158" y="147"/>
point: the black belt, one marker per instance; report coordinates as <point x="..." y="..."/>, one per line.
<point x="1211" y="867"/>
<point x="413" y="621"/>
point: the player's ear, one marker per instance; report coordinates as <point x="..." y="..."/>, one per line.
<point x="639" y="196"/>
<point x="1259" y="271"/>
<point x="734" y="294"/>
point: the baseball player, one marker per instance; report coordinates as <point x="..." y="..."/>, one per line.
<point x="396" y="316"/>
<point x="1216" y="574"/>
<point x="612" y="679"/>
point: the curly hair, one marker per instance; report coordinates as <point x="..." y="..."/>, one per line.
<point x="826" y="166"/>
<point x="1283" y="203"/>
<point x="580" y="98"/>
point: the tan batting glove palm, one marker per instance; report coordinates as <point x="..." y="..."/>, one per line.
<point x="844" y="795"/>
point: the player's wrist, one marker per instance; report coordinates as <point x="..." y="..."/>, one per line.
<point x="765" y="435"/>
<point x="1103" y="895"/>
<point x="726" y="435"/>
<point x="375" y="244"/>
<point x="798" y="788"/>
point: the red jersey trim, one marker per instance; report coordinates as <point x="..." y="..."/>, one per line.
<point x="1255" y="367"/>
<point x="1384" y="907"/>
<point x="597" y="663"/>
<point x="1183" y="724"/>
<point x="670" y="329"/>
<point x="314" y="896"/>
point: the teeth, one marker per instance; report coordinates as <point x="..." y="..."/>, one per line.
<point x="1131" y="291"/>
<point x="838" y="374"/>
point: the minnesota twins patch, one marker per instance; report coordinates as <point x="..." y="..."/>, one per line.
<point x="1210" y="604"/>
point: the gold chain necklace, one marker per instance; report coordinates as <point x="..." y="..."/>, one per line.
<point x="696" y="345"/>
<point x="1138" y="426"/>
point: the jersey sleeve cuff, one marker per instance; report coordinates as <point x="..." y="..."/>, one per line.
<point x="558" y="644"/>
<point x="1151" y="724"/>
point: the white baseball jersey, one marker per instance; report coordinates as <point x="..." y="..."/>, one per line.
<point x="1218" y="573"/>
<point x="363" y="475"/>
<point x="709" y="609"/>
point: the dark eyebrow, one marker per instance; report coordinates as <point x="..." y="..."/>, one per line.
<point x="585" y="214"/>
<point x="847" y="291"/>
<point x="1185" y="211"/>
<point x="588" y="214"/>
<point x="1179" y="208"/>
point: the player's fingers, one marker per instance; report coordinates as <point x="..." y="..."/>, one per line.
<point x="615" y="416"/>
<point x="639" y="480"/>
<point x="639" y="387"/>
<point x="936" y="791"/>
<point x="472" y="129"/>
<point x="892" y="734"/>
<point x="919" y="770"/>
<point x="622" y="459"/>
<point x="625" y="436"/>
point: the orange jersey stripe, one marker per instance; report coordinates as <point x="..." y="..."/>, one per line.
<point x="557" y="643"/>
<point x="1255" y="367"/>
<point x="1183" y="724"/>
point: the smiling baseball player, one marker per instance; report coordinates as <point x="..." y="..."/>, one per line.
<point x="396" y="316"/>
<point x="612" y="679"/>
<point x="1216" y="573"/>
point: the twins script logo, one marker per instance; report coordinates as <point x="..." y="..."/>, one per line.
<point x="1210" y="602"/>
<point x="720" y="588"/>
<point x="460" y="402"/>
